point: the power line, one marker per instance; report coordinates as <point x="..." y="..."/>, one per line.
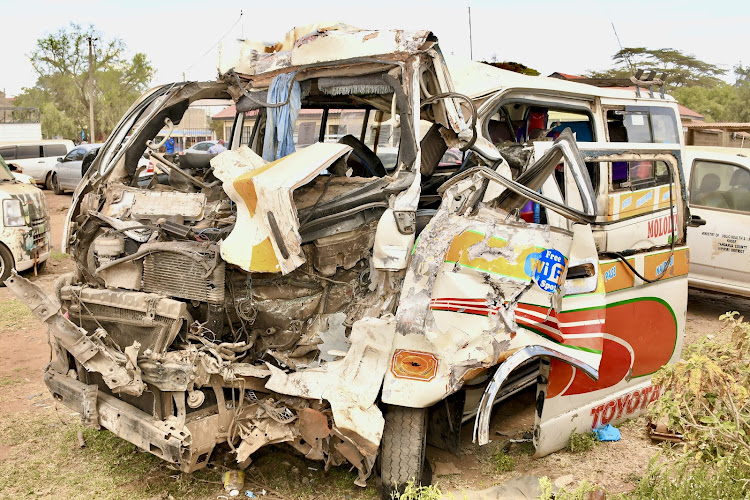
<point x="214" y="45"/>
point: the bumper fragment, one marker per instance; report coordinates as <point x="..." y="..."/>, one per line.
<point x="122" y="419"/>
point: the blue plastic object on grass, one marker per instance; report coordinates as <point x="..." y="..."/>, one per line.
<point x="607" y="433"/>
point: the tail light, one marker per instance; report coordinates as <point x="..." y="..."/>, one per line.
<point x="150" y="168"/>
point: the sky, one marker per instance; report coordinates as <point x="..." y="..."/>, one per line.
<point x="570" y="37"/>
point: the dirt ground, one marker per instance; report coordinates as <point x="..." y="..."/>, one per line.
<point x="39" y="455"/>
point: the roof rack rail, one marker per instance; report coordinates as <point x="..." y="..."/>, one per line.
<point x="649" y="82"/>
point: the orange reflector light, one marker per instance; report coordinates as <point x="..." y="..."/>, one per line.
<point x="414" y="365"/>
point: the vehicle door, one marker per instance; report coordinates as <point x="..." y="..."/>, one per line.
<point x="638" y="304"/>
<point x="484" y="285"/>
<point x="720" y="195"/>
<point x="51" y="153"/>
<point x="69" y="170"/>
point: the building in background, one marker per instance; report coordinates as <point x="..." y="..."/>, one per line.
<point x="18" y="124"/>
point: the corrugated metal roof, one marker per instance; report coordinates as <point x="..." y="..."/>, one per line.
<point x="730" y="126"/>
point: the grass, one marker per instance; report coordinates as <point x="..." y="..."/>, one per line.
<point x="582" y="491"/>
<point x="676" y="478"/>
<point x="413" y="492"/>
<point x="580" y="442"/>
<point x="45" y="461"/>
<point x="6" y="381"/>
<point x="502" y="461"/>
<point x="58" y="255"/>
<point x="12" y="314"/>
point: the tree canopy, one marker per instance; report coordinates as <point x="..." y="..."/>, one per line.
<point x="61" y="63"/>
<point x="694" y="83"/>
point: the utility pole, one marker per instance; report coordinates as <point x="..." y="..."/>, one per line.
<point x="91" y="90"/>
<point x="471" y="44"/>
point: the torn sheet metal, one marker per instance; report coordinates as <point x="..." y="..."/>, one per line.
<point x="314" y="44"/>
<point x="89" y="350"/>
<point x="351" y="384"/>
<point x="266" y="236"/>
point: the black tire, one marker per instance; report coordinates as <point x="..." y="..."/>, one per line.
<point x="402" y="450"/>
<point x="7" y="263"/>
<point x="56" y="185"/>
<point x="48" y="181"/>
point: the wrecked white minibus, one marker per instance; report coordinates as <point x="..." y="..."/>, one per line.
<point x="335" y="288"/>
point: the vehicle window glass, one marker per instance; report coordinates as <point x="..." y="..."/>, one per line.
<point x="720" y="185"/>
<point x="8" y="152"/>
<point x="28" y="151"/>
<point x="71" y="156"/>
<point x="55" y="150"/>
<point x="79" y="154"/>
<point x="640" y="124"/>
<point x="633" y="175"/>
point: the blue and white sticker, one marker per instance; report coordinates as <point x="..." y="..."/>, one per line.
<point x="546" y="269"/>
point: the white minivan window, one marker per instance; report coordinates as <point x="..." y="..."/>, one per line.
<point x="28" y="151"/>
<point x="54" y="150"/>
<point x="8" y="152"/>
<point x="642" y="124"/>
<point x="720" y="185"/>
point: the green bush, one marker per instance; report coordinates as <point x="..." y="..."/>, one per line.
<point x="580" y="442"/>
<point x="706" y="398"/>
<point x="502" y="461"/>
<point x="690" y="478"/>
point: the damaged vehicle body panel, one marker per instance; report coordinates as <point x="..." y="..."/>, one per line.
<point x="328" y="274"/>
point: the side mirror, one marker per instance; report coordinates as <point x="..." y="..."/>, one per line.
<point x="696" y="221"/>
<point x="60" y="160"/>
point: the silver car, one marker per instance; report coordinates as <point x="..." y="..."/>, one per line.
<point x="67" y="172"/>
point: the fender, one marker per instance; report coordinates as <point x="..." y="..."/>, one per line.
<point x="482" y="420"/>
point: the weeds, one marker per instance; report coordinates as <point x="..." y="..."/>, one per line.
<point x="6" y="381"/>
<point x="706" y="394"/>
<point x="502" y="461"/>
<point x="580" y="442"/>
<point x="688" y="478"/>
<point x="415" y="492"/>
<point x="580" y="493"/>
<point x="707" y="399"/>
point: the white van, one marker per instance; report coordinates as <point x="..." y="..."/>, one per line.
<point x="719" y="185"/>
<point x="35" y="158"/>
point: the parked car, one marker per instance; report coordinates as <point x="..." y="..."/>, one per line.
<point x="719" y="181"/>
<point x="200" y="147"/>
<point x="295" y="297"/>
<point x="25" y="230"/>
<point x="67" y="171"/>
<point x="35" y="158"/>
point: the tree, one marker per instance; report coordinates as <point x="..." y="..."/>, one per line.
<point x="742" y="86"/>
<point x="61" y="92"/>
<point x="717" y="103"/>
<point x="683" y="70"/>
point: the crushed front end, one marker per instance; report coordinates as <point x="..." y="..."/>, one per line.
<point x="276" y="292"/>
